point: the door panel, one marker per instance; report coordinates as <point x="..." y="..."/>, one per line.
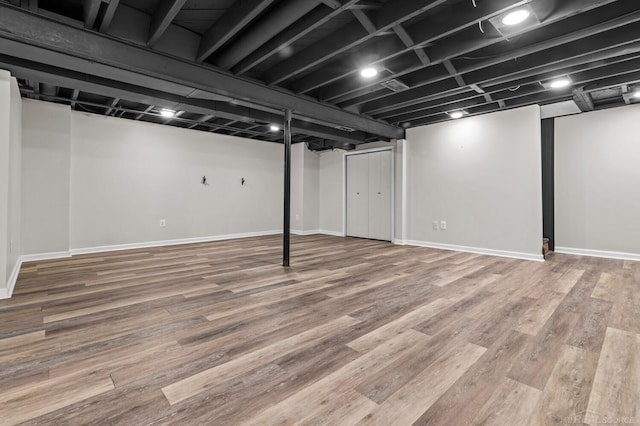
<point x="358" y="196"/>
<point x="380" y="195"/>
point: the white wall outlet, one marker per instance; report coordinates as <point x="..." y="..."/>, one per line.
<point x="297" y="217"/>
<point x="435" y="225"/>
<point x="443" y="224"/>
<point x="163" y="223"/>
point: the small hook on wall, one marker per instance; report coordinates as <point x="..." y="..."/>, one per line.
<point x="242" y="181"/>
<point x="204" y="181"/>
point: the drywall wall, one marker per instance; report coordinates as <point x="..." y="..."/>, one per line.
<point x="482" y="175"/>
<point x="46" y="136"/>
<point x="10" y="158"/>
<point x="331" y="192"/>
<point x="311" y="191"/>
<point x="297" y="185"/>
<point x="597" y="176"/>
<point x="126" y="176"/>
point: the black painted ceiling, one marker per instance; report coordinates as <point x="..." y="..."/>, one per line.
<point x="432" y="57"/>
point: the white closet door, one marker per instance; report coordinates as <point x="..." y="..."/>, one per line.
<point x="380" y="195"/>
<point x="358" y="196"/>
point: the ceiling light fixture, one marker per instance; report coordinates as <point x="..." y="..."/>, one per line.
<point x="169" y="113"/>
<point x="456" y="114"/>
<point x="516" y="17"/>
<point x="560" y="83"/>
<point x="369" y="72"/>
<point x="636" y="94"/>
<point x="274" y="128"/>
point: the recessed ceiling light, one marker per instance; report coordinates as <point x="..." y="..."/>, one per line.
<point x="516" y="17"/>
<point x="636" y="94"/>
<point x="560" y="83"/>
<point x="456" y="114"/>
<point x="369" y="72"/>
<point x="274" y="128"/>
<point x="167" y="113"/>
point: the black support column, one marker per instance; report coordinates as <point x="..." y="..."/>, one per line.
<point x="548" y="178"/>
<point x="286" y="231"/>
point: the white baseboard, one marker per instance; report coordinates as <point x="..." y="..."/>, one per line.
<point x="399" y="242"/>
<point x="132" y="246"/>
<point x="489" y="252"/>
<point x="307" y="232"/>
<point x="45" y="256"/>
<point x="334" y="233"/>
<point x="5" y="293"/>
<point x="597" y="253"/>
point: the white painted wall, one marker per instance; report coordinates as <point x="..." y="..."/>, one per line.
<point x="46" y="137"/>
<point x="331" y="191"/>
<point x="311" y="191"/>
<point x="482" y="175"/>
<point x="297" y="185"/>
<point x="10" y="159"/>
<point x="597" y="181"/>
<point x="126" y="176"/>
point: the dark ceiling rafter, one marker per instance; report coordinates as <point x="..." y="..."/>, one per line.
<point x="464" y="16"/>
<point x="109" y="12"/>
<point x="528" y="57"/>
<point x="283" y="15"/>
<point x="239" y="15"/>
<point x="90" y="9"/>
<point x="468" y="41"/>
<point x="139" y="66"/>
<point x="504" y="90"/>
<point x="161" y="19"/>
<point x="310" y="22"/>
<point x="234" y="66"/>
<point x="385" y="18"/>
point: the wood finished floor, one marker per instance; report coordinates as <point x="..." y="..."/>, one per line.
<point x="355" y="332"/>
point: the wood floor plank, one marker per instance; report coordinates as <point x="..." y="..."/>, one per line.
<point x="355" y="331"/>
<point x="616" y="386"/>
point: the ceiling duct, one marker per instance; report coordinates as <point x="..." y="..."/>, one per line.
<point x="395" y="85"/>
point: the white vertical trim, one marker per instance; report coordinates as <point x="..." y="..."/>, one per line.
<point x="393" y="185"/>
<point x="5" y="293"/>
<point x="403" y="200"/>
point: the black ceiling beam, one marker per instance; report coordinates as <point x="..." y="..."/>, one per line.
<point x="108" y="15"/>
<point x="313" y="20"/>
<point x="90" y="9"/>
<point x="623" y="64"/>
<point x="504" y="90"/>
<point x="116" y="89"/>
<point x="164" y="14"/>
<point x="238" y="16"/>
<point x="283" y="15"/>
<point x="347" y="37"/>
<point x="571" y="45"/>
<point x="470" y="40"/>
<point x="95" y="54"/>
<point x="594" y="79"/>
<point x="421" y="33"/>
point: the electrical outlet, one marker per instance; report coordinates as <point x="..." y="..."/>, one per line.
<point x="163" y="223"/>
<point x="443" y="224"/>
<point x="435" y="225"/>
<point x="297" y="217"/>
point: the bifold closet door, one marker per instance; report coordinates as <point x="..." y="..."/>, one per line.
<point x="358" y="196"/>
<point x="369" y="195"/>
<point x="380" y="195"/>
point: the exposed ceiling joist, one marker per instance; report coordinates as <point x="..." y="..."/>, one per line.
<point x="583" y="100"/>
<point x="277" y="20"/>
<point x="161" y="19"/>
<point x="75" y="49"/>
<point x="389" y="15"/>
<point x="239" y="15"/>
<point x="313" y="20"/>
<point x="108" y="15"/>
<point x="90" y="10"/>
